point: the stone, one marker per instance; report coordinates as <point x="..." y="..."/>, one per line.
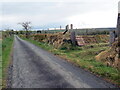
<point x="117" y="31"/>
<point x="71" y="26"/>
<point x="73" y="37"/>
<point x="117" y="62"/>
<point x="112" y="37"/>
<point x="118" y="28"/>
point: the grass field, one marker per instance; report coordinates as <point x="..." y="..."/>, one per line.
<point x="6" y="51"/>
<point x="89" y="31"/>
<point x="84" y="57"/>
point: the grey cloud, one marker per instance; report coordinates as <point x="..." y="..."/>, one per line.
<point x="30" y="8"/>
<point x="53" y="12"/>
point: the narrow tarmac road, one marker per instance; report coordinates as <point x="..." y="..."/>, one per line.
<point x="34" y="67"/>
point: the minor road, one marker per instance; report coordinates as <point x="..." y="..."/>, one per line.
<point x="34" y="67"/>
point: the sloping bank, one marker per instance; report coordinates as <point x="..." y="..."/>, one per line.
<point x="7" y="44"/>
<point x="84" y="57"/>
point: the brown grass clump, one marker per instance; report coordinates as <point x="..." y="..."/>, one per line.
<point x="110" y="57"/>
<point x="38" y="37"/>
<point x="92" y="39"/>
<point x="57" y="39"/>
<point x="102" y="38"/>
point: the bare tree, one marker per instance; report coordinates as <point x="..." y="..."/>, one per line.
<point x="26" y="26"/>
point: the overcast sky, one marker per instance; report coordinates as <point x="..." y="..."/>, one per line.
<point x="52" y="13"/>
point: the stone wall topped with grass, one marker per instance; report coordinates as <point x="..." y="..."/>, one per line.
<point x="110" y="57"/>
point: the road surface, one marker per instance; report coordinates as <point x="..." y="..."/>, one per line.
<point x="34" y="67"/>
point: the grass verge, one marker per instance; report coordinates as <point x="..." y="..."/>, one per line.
<point x="84" y="57"/>
<point x="0" y="64"/>
<point x="7" y="44"/>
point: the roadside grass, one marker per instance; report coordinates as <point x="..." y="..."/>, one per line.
<point x="7" y="44"/>
<point x="0" y="64"/>
<point x="84" y="57"/>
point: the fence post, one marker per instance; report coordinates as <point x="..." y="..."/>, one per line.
<point x="71" y="25"/>
<point x="60" y="27"/>
<point x="112" y="37"/>
<point x="118" y="28"/>
<point x="72" y="36"/>
<point x="66" y="29"/>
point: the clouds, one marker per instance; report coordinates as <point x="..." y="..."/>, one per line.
<point x="82" y="13"/>
<point x="94" y="19"/>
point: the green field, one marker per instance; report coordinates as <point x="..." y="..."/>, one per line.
<point x="84" y="57"/>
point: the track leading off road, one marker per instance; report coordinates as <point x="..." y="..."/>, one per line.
<point x="34" y="67"/>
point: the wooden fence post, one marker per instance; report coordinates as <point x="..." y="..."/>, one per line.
<point x="66" y="29"/>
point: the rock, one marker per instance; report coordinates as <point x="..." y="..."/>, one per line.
<point x="116" y="61"/>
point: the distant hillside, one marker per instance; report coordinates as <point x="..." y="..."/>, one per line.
<point x="83" y="31"/>
<point x="94" y="31"/>
<point x="101" y="29"/>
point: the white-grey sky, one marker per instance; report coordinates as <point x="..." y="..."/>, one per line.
<point x="52" y="13"/>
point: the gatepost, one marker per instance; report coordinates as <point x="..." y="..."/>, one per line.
<point x="118" y="28"/>
<point x="112" y="37"/>
<point x="66" y="29"/>
<point x="72" y="36"/>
